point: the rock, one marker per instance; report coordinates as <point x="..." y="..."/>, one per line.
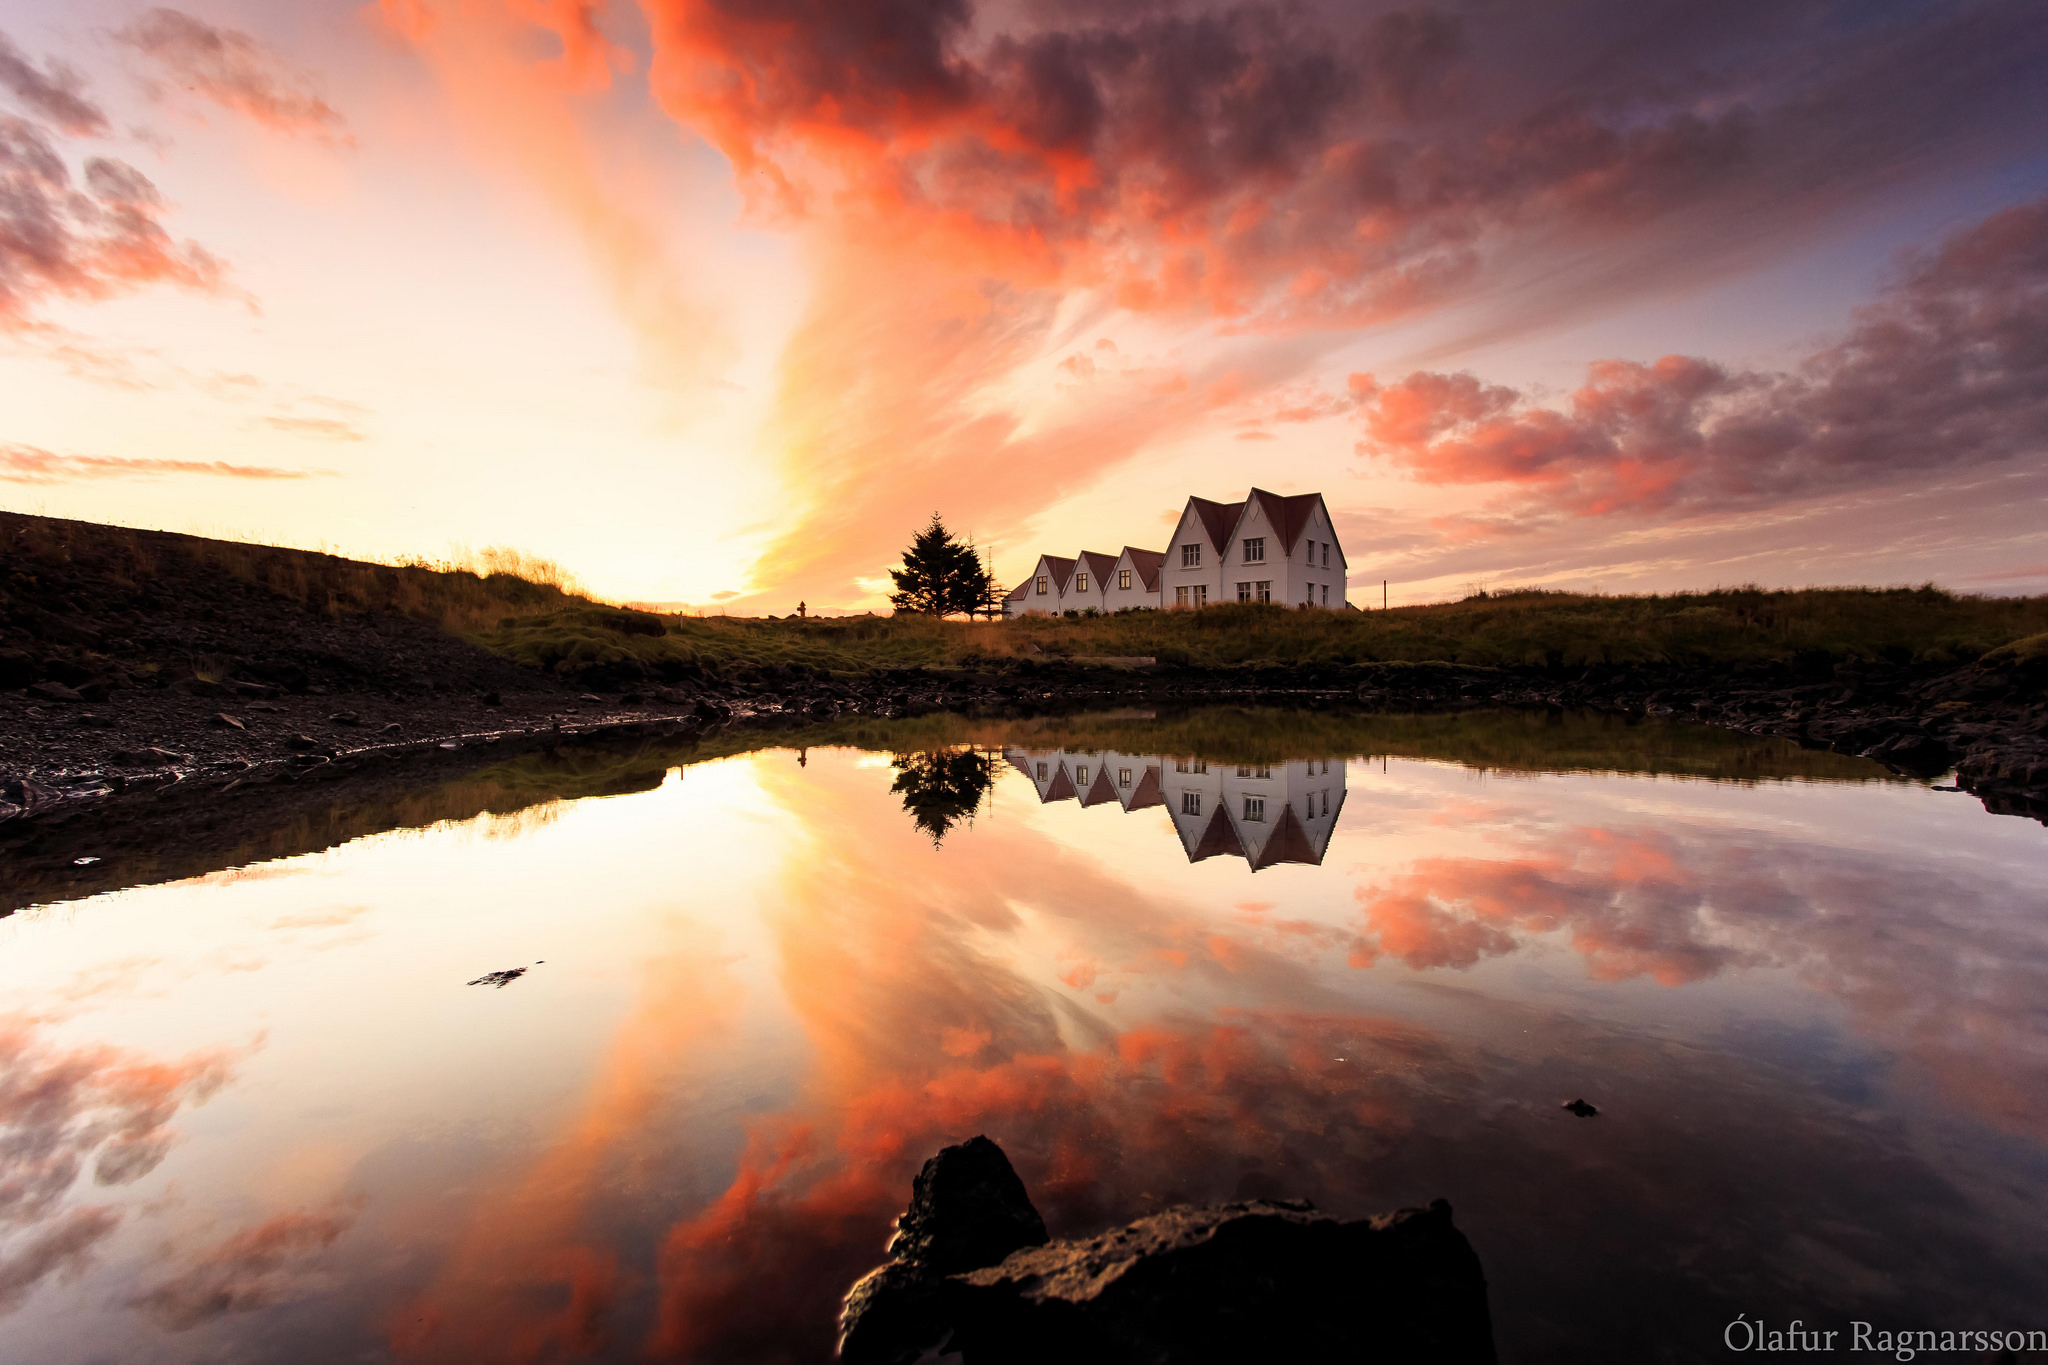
<point x="223" y="718"/>
<point x="17" y="669"/>
<point x="269" y="707"/>
<point x="1264" y="1280"/>
<point x="344" y="718"/>
<point x="492" y="699"/>
<point x="53" y="691"/>
<point x="1581" y="1108"/>
<point x="302" y="744"/>
<point x="391" y="728"/>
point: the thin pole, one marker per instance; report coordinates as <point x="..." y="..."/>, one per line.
<point x="1383" y="594"/>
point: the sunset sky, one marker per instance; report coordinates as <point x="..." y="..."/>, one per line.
<point x="714" y="301"/>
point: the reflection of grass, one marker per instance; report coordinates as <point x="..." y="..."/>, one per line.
<point x="1561" y="630"/>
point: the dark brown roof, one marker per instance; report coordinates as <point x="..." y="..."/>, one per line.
<point x="1219" y="837"/>
<point x="1060" y="569"/>
<point x="1099" y="564"/>
<point x="1289" y="516"/>
<point x="1100" y="790"/>
<point x="1018" y="591"/>
<point x="1218" y="519"/>
<point x="1288" y="843"/>
<point x="1061" y="788"/>
<point x="1147" y="793"/>
<point x="1147" y="563"/>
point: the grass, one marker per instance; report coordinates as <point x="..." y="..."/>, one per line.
<point x="462" y="595"/>
<point x="1555" y="630"/>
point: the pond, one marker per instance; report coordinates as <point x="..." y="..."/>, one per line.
<point x="629" y="1052"/>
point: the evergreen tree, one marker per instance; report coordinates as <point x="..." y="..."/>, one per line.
<point x="940" y="575"/>
<point x="943" y="787"/>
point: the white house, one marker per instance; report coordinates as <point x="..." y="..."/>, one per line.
<point x="1265" y="814"/>
<point x="1267" y="548"/>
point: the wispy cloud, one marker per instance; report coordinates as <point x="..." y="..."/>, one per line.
<point x="236" y="72"/>
<point x="32" y="465"/>
<point x="55" y="92"/>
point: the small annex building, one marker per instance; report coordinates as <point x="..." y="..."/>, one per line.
<point x="1266" y="548"/>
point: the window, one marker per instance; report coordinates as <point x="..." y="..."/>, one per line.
<point x="1326" y="554"/>
<point x="1255" y="550"/>
<point x="1201" y="594"/>
<point x="1080" y="582"/>
<point x="1180" y="765"/>
<point x="1191" y="556"/>
<point x="1326" y="594"/>
<point x="1081" y="776"/>
<point x="1244" y="592"/>
<point x="1123" y="777"/>
<point x="1326" y="800"/>
<point x="1180" y="597"/>
<point x="1264" y="590"/>
<point x="1041" y="772"/>
<point x="1190" y="803"/>
<point x="1041" y="585"/>
<point x="1198" y="766"/>
<point x="1310" y="600"/>
<point x="1123" y="578"/>
<point x="1255" y="808"/>
<point x="1260" y="772"/>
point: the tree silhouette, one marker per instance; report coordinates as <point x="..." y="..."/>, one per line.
<point x="942" y="787"/>
<point x="940" y="575"/>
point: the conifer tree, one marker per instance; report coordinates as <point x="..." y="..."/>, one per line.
<point x="940" y="575"/>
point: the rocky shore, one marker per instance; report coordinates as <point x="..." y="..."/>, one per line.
<point x="973" y="1276"/>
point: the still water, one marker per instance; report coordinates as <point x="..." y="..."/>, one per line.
<point x="264" y="1114"/>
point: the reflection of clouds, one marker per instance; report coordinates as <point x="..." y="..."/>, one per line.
<point x="1937" y="966"/>
<point x="530" y="1278"/>
<point x="62" y="1111"/>
<point x="252" y="1269"/>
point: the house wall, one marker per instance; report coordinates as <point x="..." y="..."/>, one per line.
<point x="1032" y="602"/>
<point x="1123" y="599"/>
<point x="1317" y="569"/>
<point x="1273" y="569"/>
<point x="1172" y="576"/>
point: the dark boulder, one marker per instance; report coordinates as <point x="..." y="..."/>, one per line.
<point x="1264" y="1280"/>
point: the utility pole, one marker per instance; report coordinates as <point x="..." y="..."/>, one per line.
<point x="1383" y="594"/>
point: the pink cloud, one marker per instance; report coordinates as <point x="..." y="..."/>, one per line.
<point x="236" y="72"/>
<point x="28" y="464"/>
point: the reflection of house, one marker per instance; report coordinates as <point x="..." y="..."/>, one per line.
<point x="1281" y="813"/>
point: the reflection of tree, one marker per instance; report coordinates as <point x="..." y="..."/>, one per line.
<point x="942" y="787"/>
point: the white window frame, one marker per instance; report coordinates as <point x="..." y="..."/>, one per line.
<point x="1080" y="582"/>
<point x="1123" y="580"/>
<point x="1255" y="810"/>
<point x="1044" y="581"/>
<point x="1262" y="590"/>
<point x="1244" y="591"/>
<point x="1254" y="551"/>
<point x="1191" y="555"/>
<point x="1190" y="803"/>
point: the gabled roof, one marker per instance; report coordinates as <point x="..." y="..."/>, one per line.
<point x="1147" y="563"/>
<point x="1289" y="516"/>
<point x="1097" y="563"/>
<point x="1219" y="837"/>
<point x="1147" y="793"/>
<point x="1101" y="789"/>
<point x="1060" y="569"/>
<point x="1017" y="592"/>
<point x="1288" y="843"/>
<point x="1061" y="788"/>
<point x="1218" y="519"/>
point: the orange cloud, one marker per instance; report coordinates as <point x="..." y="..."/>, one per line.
<point x="29" y="464"/>
<point x="252" y="1269"/>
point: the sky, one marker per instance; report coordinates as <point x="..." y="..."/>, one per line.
<point x="714" y="302"/>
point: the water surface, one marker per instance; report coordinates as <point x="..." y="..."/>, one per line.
<point x="261" y="1115"/>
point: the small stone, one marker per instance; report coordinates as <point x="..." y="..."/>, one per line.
<point x="54" y="691"/>
<point x="223" y="718"/>
<point x="391" y="729"/>
<point x="271" y="707"/>
<point x="344" y="718"/>
<point x="1581" y="1108"/>
<point x="149" y="758"/>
